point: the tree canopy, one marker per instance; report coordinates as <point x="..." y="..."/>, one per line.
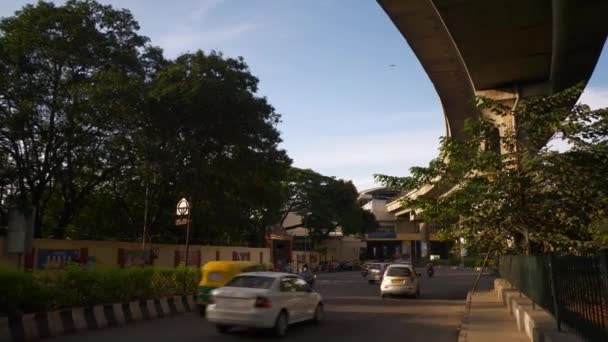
<point x="529" y="197"/>
<point x="324" y="204"/>
<point x="102" y="135"/>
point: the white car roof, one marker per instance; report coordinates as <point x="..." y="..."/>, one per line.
<point x="269" y="274"/>
<point x="400" y="265"/>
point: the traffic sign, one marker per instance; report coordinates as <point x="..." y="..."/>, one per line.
<point x="181" y="221"/>
<point x="183" y="207"/>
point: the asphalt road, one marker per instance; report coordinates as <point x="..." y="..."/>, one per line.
<point x="354" y="312"/>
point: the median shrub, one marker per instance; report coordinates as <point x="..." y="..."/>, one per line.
<point x="74" y="286"/>
<point x="21" y="292"/>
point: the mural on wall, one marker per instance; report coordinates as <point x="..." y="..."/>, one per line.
<point x="194" y="258"/>
<point x="56" y="259"/>
<point x="242" y="256"/>
<point x="135" y="257"/>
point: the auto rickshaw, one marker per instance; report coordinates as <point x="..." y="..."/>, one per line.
<point x="215" y="274"/>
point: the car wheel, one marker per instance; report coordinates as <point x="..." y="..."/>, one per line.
<point x="382" y="295"/>
<point x="280" y="325"/>
<point x="417" y="295"/>
<point x="319" y="314"/>
<point x="371" y="282"/>
<point x="223" y="329"/>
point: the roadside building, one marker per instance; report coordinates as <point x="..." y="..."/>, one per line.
<point x="399" y="234"/>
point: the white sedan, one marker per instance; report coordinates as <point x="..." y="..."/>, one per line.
<point x="268" y="300"/>
<point x="400" y="279"/>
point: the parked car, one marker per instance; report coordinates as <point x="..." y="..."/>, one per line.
<point x="266" y="300"/>
<point x="375" y="272"/>
<point x="333" y="266"/>
<point x="346" y="265"/>
<point x="400" y="279"/>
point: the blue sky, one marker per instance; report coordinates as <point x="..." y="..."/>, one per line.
<point x="324" y="65"/>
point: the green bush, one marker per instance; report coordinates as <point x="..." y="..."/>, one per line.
<point x="74" y="286"/>
<point x="20" y="292"/>
<point x="477" y="262"/>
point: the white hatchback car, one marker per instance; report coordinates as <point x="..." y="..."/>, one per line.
<point x="264" y="300"/>
<point x="400" y="279"/>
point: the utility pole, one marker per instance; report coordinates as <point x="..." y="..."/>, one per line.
<point x="143" y="238"/>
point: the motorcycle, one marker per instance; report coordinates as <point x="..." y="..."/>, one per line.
<point x="430" y="271"/>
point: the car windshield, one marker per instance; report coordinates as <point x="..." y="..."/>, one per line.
<point x="252" y="282"/>
<point x="398" y="272"/>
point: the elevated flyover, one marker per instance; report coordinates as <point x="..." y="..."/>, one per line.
<point x="500" y="49"/>
<point x="503" y="50"/>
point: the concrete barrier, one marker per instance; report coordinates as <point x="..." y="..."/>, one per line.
<point x="55" y="323"/>
<point x="119" y="314"/>
<point x="164" y="304"/>
<point x="5" y="330"/>
<point x="537" y="323"/>
<point x="190" y="301"/>
<point x="179" y="304"/>
<point x="30" y="326"/>
<point x="80" y="321"/>
<point x="100" y="316"/>
<point x="135" y="310"/>
<point x="151" y="309"/>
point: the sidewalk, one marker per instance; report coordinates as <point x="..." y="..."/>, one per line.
<point x="489" y="320"/>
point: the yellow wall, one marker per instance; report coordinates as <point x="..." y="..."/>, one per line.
<point x="297" y="255"/>
<point x="407" y="227"/>
<point x="106" y="252"/>
<point x="346" y="249"/>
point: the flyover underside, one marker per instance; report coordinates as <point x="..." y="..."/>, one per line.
<point x="423" y="28"/>
<point x="470" y="47"/>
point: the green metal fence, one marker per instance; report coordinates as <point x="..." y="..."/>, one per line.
<point x="573" y="289"/>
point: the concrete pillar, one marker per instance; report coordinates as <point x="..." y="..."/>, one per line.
<point x="405" y="248"/>
<point x="424" y="239"/>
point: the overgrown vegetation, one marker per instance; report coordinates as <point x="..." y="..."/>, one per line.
<point x="45" y="290"/>
<point x="510" y="192"/>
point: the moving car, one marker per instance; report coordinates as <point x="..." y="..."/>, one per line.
<point x="267" y="300"/>
<point x="400" y="279"/>
<point x="217" y="273"/>
<point x="375" y="272"/>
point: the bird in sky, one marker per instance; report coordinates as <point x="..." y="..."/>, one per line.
<point x="392" y="65"/>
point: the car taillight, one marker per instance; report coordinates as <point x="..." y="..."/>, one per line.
<point x="263" y="302"/>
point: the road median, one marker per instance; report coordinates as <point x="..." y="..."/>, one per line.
<point x="34" y="326"/>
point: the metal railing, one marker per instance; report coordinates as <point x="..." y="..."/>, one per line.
<point x="573" y="289"/>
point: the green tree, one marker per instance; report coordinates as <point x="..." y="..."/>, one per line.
<point x="70" y="82"/>
<point x="324" y="204"/>
<point x="207" y="136"/>
<point x="527" y="198"/>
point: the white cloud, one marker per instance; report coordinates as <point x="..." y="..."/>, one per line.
<point x="397" y="148"/>
<point x="196" y="33"/>
<point x="203" y="9"/>
<point x="186" y="38"/>
<point x="595" y="97"/>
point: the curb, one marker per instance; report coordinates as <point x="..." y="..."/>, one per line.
<point x="39" y="325"/>
<point x="462" y="334"/>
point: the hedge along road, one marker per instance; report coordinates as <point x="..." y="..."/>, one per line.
<point x="354" y="312"/>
